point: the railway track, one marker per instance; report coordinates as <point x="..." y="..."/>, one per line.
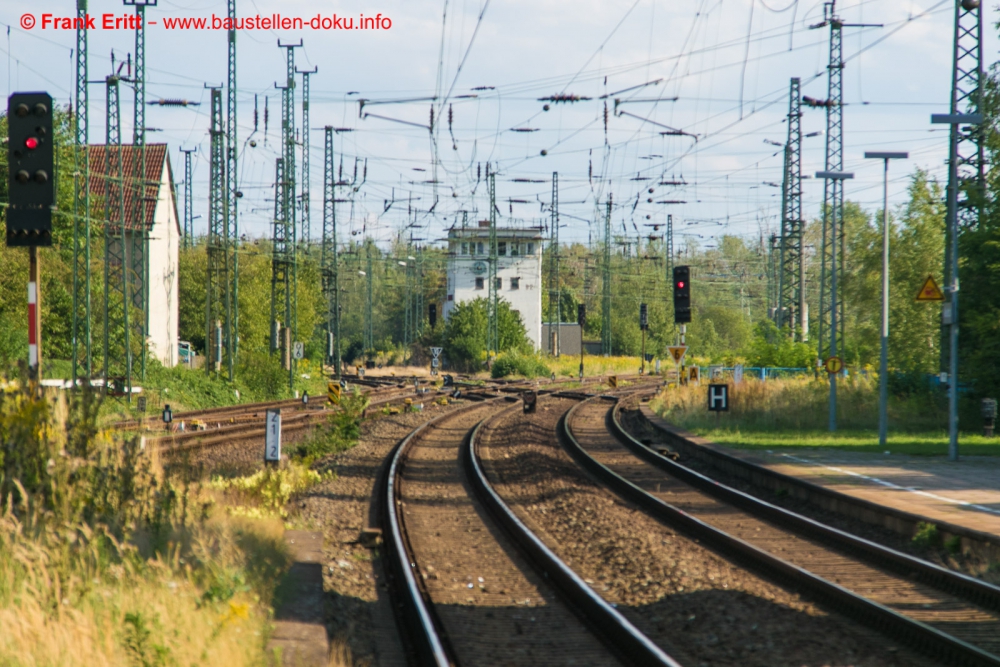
<point x="945" y="615"/>
<point x="473" y="586"/>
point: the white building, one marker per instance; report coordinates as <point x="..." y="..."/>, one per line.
<point x="155" y="212"/>
<point x="519" y="271"/>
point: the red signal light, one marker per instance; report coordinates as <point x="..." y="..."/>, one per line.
<point x="680" y="284"/>
<point x="31" y="143"/>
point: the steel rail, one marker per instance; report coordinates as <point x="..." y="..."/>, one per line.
<point x="919" y="635"/>
<point x="616" y="630"/>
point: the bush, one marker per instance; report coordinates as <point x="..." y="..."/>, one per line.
<point x="515" y="363"/>
<point x="342" y="431"/>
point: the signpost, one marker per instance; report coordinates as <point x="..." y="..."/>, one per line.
<point x="298" y="350"/>
<point x="930" y="291"/>
<point x="435" y="362"/>
<point x="834" y="365"/>
<point x="718" y="398"/>
<point x="272" y="437"/>
<point x="738" y="374"/>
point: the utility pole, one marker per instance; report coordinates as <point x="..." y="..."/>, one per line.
<point x="306" y="218"/>
<point x="329" y="257"/>
<point x="369" y="324"/>
<point x="493" y="329"/>
<point x="606" y="286"/>
<point x="833" y="192"/>
<point x="232" y="190"/>
<point x="117" y="348"/>
<point x="139" y="239"/>
<point x="555" y="301"/>
<point x="791" y="301"/>
<point x="281" y="304"/>
<point x="188" y="204"/>
<point x="82" y="337"/>
<point x="966" y="181"/>
<point x="218" y="296"/>
<point x="668" y="249"/>
<point x="288" y="203"/>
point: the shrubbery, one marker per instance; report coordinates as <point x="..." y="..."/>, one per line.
<point x="515" y="363"/>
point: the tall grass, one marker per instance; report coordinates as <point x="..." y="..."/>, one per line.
<point x="105" y="559"/>
<point x="569" y="365"/>
<point x="798" y="404"/>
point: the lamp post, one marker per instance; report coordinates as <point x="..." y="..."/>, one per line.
<point x="883" y="365"/>
<point x="838" y="176"/>
<point x="951" y="288"/>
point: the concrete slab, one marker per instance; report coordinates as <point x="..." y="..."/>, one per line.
<point x="299" y="636"/>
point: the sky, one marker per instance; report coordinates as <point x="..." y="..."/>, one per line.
<point x="718" y="70"/>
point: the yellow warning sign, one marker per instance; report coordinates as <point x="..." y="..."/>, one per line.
<point x="694" y="375"/>
<point x="333" y="392"/>
<point x="677" y="352"/>
<point x="613" y="380"/>
<point x="930" y="291"/>
<point x="834" y="365"/>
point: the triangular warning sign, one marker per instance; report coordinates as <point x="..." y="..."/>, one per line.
<point x="930" y="291"/>
<point x="677" y="352"/>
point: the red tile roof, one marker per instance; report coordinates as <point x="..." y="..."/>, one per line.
<point x="101" y="159"/>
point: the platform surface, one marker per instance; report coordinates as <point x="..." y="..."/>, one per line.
<point x="964" y="492"/>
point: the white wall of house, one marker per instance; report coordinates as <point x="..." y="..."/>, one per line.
<point x="164" y="241"/>
<point x="520" y="272"/>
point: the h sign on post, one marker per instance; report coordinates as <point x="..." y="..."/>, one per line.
<point x="272" y="437"/>
<point x="718" y="397"/>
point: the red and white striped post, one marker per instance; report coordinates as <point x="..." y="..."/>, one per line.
<point x="34" y="317"/>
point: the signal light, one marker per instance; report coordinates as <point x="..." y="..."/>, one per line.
<point x="682" y="294"/>
<point x="30" y="165"/>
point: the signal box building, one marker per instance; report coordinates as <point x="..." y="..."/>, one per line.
<point x="519" y="271"/>
<point x="151" y="210"/>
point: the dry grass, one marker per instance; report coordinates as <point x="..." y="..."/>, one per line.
<point x="569" y="366"/>
<point x="796" y="404"/>
<point x="106" y="560"/>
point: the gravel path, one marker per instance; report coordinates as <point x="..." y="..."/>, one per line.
<point x="359" y="613"/>
<point x="701" y="608"/>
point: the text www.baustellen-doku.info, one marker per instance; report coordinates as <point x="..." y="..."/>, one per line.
<point x="47" y="21"/>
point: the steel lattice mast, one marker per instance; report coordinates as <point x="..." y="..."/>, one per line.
<point x="606" y="285"/>
<point x="970" y="164"/>
<point x="82" y="357"/>
<point x="369" y="277"/>
<point x="830" y="304"/>
<point x="329" y="258"/>
<point x="791" y="279"/>
<point x="232" y="190"/>
<point x="218" y="297"/>
<point x="280" y="259"/>
<point x="288" y="199"/>
<point x="139" y="239"/>
<point x="306" y="216"/>
<point x="117" y="347"/>
<point x="492" y="326"/>
<point x="555" y="302"/>
<point x="188" y="202"/>
<point x="668" y="249"/>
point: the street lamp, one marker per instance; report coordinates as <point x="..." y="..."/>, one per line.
<point x="953" y="119"/>
<point x="836" y="176"/>
<point x="883" y="367"/>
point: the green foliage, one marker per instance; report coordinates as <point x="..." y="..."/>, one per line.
<point x="772" y="347"/>
<point x="927" y="535"/>
<point x="342" y="430"/>
<point x="139" y="646"/>
<point x="465" y="334"/>
<point x="517" y="363"/>
<point x="267" y="491"/>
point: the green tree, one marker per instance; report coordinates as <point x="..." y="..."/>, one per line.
<point x="465" y="333"/>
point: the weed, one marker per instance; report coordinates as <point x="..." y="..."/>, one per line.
<point x="140" y="649"/>
<point x="953" y="544"/>
<point x="267" y="491"/>
<point x="927" y="535"/>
